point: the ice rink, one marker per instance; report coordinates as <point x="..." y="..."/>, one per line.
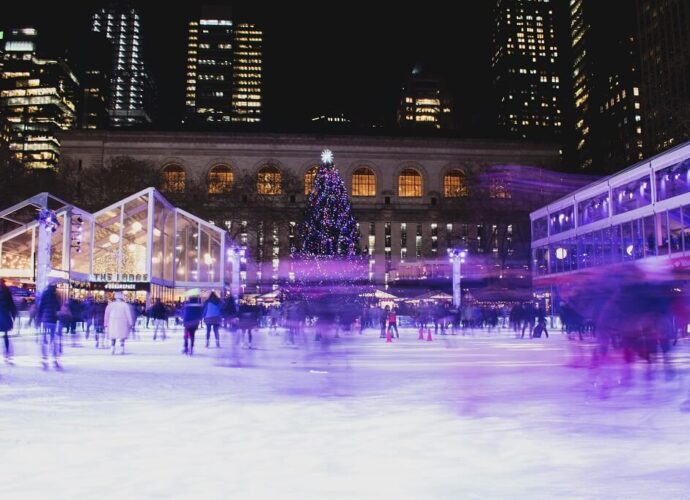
<point x="475" y="416"/>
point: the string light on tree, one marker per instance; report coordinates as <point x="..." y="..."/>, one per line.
<point x="329" y="227"/>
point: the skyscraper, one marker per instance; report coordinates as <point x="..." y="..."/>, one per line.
<point x="131" y="86"/>
<point x="664" y="32"/>
<point x="209" y="66"/>
<point x="224" y="69"/>
<point x="425" y="102"/>
<point x="37" y="99"/>
<point x="606" y="85"/>
<point x="247" y="77"/>
<point x="91" y="62"/>
<point x="526" y="71"/>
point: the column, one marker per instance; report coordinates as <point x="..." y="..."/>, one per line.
<point x="379" y="254"/>
<point x="395" y="245"/>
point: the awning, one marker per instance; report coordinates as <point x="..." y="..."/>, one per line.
<point x="431" y="296"/>
<point x="379" y="294"/>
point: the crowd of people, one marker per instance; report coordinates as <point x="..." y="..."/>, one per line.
<point x="640" y="322"/>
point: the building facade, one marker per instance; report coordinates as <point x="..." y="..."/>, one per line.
<point x="425" y="102"/>
<point x="628" y="228"/>
<point x="247" y="96"/>
<point x="92" y="63"/>
<point x="413" y="198"/>
<point x="606" y="85"/>
<point x="38" y="98"/>
<point x="224" y="69"/>
<point x="526" y="72"/>
<point x="664" y="34"/>
<point x="131" y="86"/>
<point x="209" y="66"/>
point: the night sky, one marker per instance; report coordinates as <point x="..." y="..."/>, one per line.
<point x="334" y="56"/>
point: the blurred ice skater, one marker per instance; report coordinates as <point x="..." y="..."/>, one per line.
<point x="47" y="317"/>
<point x="191" y="317"/>
<point x="8" y="311"/>
<point x="118" y="321"/>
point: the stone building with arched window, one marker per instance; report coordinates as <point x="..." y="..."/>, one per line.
<point x="413" y="197"/>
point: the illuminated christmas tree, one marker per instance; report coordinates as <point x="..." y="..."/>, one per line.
<point x="329" y="227"/>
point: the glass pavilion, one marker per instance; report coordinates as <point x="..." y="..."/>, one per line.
<point x="142" y="245"/>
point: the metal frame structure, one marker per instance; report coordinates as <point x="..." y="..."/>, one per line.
<point x="118" y="240"/>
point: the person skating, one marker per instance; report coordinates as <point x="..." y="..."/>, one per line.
<point x="191" y="317"/>
<point x="87" y="315"/>
<point x="393" y="323"/>
<point x="249" y="319"/>
<point x="159" y="316"/>
<point x="212" y="317"/>
<point x="118" y="321"/>
<point x="47" y="317"/>
<point x="98" y="322"/>
<point x="8" y="312"/>
<point x="383" y="318"/>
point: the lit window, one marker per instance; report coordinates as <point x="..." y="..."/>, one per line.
<point x="409" y="183"/>
<point x="363" y="182"/>
<point x="173" y="179"/>
<point x="268" y="181"/>
<point x="454" y="185"/>
<point x="220" y="180"/>
<point x="309" y="179"/>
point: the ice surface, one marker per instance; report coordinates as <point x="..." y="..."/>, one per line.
<point x="461" y="417"/>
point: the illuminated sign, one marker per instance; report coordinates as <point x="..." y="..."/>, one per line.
<point x="115" y="286"/>
<point x="124" y="278"/>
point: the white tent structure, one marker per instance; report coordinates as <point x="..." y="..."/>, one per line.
<point x="141" y="245"/>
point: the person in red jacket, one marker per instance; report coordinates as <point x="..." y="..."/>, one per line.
<point x="393" y="323"/>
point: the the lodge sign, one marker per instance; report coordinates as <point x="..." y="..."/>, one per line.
<point x="122" y="278"/>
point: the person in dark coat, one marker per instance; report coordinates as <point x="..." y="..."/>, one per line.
<point x="75" y="313"/>
<point x="8" y="311"/>
<point x="249" y="319"/>
<point x="229" y="312"/>
<point x="47" y="317"/>
<point x="87" y="314"/>
<point x="99" y="321"/>
<point x="191" y="317"/>
<point x="160" y="318"/>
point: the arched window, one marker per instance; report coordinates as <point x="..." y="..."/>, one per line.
<point x="173" y="179"/>
<point x="454" y="185"/>
<point x="309" y="179"/>
<point x="220" y="180"/>
<point x="363" y="182"/>
<point x="409" y="183"/>
<point x="268" y="181"/>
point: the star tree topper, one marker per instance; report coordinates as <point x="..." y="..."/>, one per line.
<point x="327" y="157"/>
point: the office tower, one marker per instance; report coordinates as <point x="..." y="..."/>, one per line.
<point x="131" y="87"/>
<point x="224" y="69"/>
<point x="248" y="75"/>
<point x="526" y="71"/>
<point x="209" y="66"/>
<point x="37" y="99"/>
<point x="664" y="33"/>
<point x="91" y="61"/>
<point x="425" y="102"/>
<point x="606" y="85"/>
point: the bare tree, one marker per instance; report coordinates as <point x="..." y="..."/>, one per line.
<point x="95" y="188"/>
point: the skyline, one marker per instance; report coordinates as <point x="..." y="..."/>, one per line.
<point x="354" y="64"/>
